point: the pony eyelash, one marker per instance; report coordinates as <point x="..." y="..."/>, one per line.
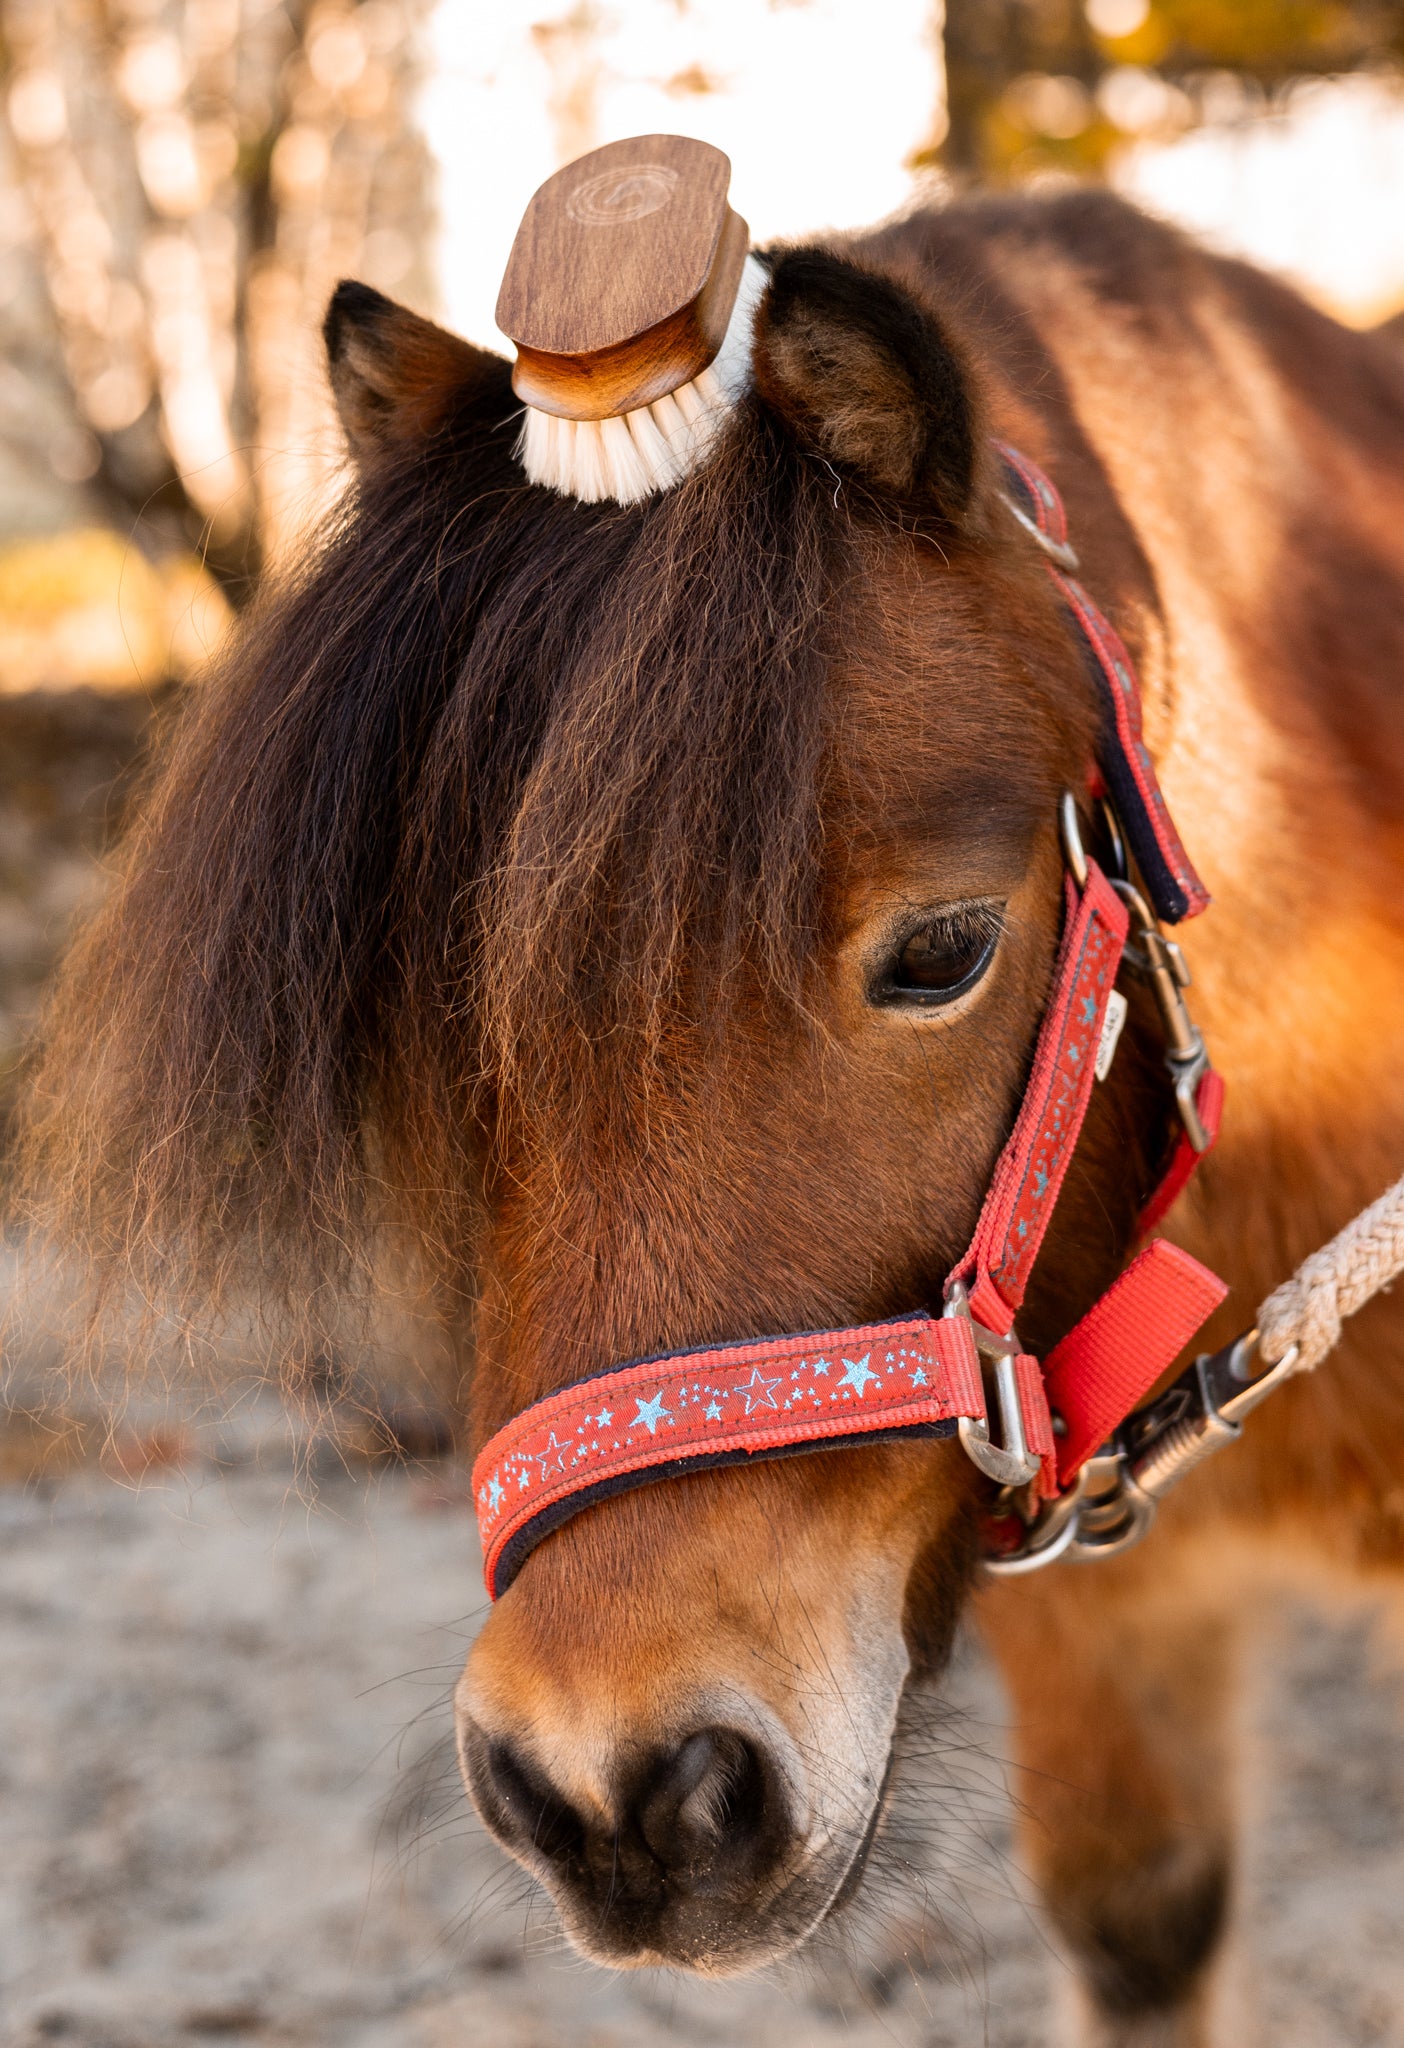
<point x="632" y="455"/>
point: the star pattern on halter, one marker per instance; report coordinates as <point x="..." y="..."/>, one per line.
<point x="856" y="1374"/>
<point x="758" y="1391"/>
<point x="552" y="1458"/>
<point x="1092" y="980"/>
<point x="618" y="1424"/>
<point x="651" y="1413"/>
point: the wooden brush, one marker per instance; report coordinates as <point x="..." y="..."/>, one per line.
<point x="630" y="296"/>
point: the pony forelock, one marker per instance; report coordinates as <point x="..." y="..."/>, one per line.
<point x="487" y="793"/>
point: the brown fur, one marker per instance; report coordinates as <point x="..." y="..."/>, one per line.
<point x="518" y="883"/>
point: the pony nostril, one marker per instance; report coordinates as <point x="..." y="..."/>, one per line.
<point x="706" y="1806"/>
<point x="522" y="1806"/>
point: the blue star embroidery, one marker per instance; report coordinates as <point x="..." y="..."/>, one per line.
<point x="758" y="1391"/>
<point x="857" y="1375"/>
<point x="605" y="1417"/>
<point x="712" y="1412"/>
<point x="918" y="1378"/>
<point x="651" y="1413"/>
<point x="821" y="1368"/>
<point x="523" y="1480"/>
<point x="553" y="1457"/>
<point x="1089" y="1009"/>
<point x="493" y="1493"/>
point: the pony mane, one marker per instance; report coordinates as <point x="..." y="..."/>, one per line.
<point x="477" y="793"/>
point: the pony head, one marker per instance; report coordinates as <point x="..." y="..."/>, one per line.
<point x="645" y="911"/>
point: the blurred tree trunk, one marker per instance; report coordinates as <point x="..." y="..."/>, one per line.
<point x="193" y="177"/>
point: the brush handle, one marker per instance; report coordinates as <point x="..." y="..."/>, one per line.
<point x="623" y="276"/>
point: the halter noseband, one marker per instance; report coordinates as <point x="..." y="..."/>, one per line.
<point x="1064" y="1484"/>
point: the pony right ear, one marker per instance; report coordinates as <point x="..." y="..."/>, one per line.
<point x="397" y="378"/>
<point x="863" y="377"/>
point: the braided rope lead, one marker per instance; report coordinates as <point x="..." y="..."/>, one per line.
<point x="1308" y="1309"/>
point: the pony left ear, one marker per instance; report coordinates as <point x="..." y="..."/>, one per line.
<point x="396" y="377"/>
<point x="863" y="376"/>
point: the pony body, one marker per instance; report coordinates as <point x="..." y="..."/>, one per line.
<point x="529" y="883"/>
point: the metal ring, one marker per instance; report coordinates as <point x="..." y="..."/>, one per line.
<point x="1118" y="844"/>
<point x="1070" y="831"/>
<point x="1057" y="1524"/>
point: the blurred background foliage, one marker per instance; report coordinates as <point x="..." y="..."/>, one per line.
<point x="183" y="182"/>
<point x="1038" y="86"/>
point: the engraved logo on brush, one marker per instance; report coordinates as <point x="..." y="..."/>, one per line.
<point x="616" y="196"/>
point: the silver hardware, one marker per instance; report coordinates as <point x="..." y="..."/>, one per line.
<point x="1117" y="1492"/>
<point x="1011" y="1463"/>
<point x="1159" y="961"/>
<point x="1115" y="1511"/>
<point x="1047" y="1537"/>
<point x="1231" y="1382"/>
<point x="1155" y="959"/>
<point x="1070" y="830"/>
<point x="1056" y="550"/>
<point x="1179" y="966"/>
<point x="1120" y="867"/>
<point x="1159" y="1445"/>
<point x="1114" y="1501"/>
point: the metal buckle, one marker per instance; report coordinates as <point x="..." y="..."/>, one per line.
<point x="1011" y="1463"/>
<point x="1156" y="959"/>
<point x="1114" y="1502"/>
<point x="1159" y="961"/>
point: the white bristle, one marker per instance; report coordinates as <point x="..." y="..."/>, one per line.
<point x="637" y="453"/>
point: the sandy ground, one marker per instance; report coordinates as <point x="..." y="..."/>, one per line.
<point x="229" y="1813"/>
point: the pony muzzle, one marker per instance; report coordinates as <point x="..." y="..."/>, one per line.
<point x="690" y="1795"/>
<point x="688" y="1840"/>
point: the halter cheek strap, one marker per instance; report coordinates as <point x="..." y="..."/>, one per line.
<point x="1174" y="887"/>
<point x="933" y="1376"/>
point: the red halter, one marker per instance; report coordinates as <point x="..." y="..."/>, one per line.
<point x="921" y="1375"/>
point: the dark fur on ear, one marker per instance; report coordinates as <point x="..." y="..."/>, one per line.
<point x="397" y="378"/>
<point x="864" y="377"/>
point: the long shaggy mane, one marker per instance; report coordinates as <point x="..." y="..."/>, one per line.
<point x="480" y="747"/>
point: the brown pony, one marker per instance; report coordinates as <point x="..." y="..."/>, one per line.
<point x="644" y="917"/>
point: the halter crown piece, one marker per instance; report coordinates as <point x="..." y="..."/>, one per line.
<point x="630" y="296"/>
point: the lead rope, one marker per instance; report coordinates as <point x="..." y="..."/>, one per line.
<point x="1298" y="1325"/>
<point x="1358" y="1263"/>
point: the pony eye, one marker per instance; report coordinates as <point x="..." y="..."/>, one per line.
<point x="942" y="958"/>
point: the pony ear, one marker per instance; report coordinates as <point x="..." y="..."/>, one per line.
<point x="396" y="377"/>
<point x="863" y="376"/>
